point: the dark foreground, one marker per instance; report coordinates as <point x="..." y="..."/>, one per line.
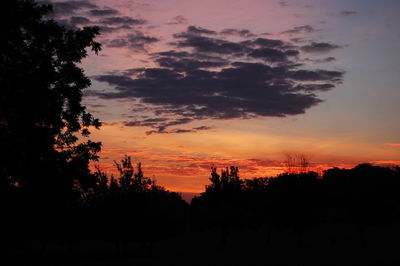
<point x="380" y="247"/>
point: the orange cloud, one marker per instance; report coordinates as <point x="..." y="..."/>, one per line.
<point x="392" y="144"/>
<point x="387" y="162"/>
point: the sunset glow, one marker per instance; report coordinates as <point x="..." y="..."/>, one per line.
<point x="176" y="84"/>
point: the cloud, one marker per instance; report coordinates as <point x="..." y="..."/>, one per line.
<point x="300" y="29"/>
<point x="346" y="13"/>
<point x="178" y="130"/>
<point x="161" y="124"/>
<point x="206" y="77"/>
<point x="103" y="12"/>
<point x="73" y="23"/>
<point x="178" y="20"/>
<point x="79" y="21"/>
<point x="208" y="44"/>
<point x="124" y="20"/>
<point x="69" y="7"/>
<point x="268" y="54"/>
<point x="283" y="3"/>
<point x="194" y="37"/>
<point x="265" y="43"/>
<point x="107" y="29"/>
<point x="325" y="60"/>
<point x="200" y="30"/>
<point x="136" y="41"/>
<point x="241" y="33"/>
<point x="182" y="61"/>
<point x="202" y="128"/>
<point x="393" y="144"/>
<point x="75" y="14"/>
<point x="319" y="47"/>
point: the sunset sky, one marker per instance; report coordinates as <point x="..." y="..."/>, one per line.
<point x="183" y="85"/>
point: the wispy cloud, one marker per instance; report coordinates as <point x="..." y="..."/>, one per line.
<point x="348" y="13"/>
<point x="177" y="20"/>
<point x="392" y="144"/>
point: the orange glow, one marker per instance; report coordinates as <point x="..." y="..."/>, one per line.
<point x="393" y="144"/>
<point x="182" y="162"/>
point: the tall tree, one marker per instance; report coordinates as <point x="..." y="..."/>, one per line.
<point x="41" y="115"/>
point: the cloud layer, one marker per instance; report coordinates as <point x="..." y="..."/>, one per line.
<point x="207" y="76"/>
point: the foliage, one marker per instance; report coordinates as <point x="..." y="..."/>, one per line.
<point x="40" y="103"/>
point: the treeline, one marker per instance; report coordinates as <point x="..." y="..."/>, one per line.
<point x="363" y="196"/>
<point x="116" y="210"/>
<point x="132" y="210"/>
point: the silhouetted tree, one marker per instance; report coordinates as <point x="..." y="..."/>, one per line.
<point x="40" y="103"/>
<point x="364" y="196"/>
<point x="143" y="211"/>
<point x="297" y="163"/>
<point x="44" y="164"/>
<point x="220" y="206"/>
<point x="294" y="202"/>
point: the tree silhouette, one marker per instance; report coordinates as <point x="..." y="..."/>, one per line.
<point x="41" y="111"/>
<point x="143" y="211"/>
<point x="220" y="206"/>
<point x="297" y="163"/>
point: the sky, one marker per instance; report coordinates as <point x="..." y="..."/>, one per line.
<point x="184" y="85"/>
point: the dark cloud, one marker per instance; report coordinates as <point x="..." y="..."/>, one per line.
<point x="265" y="43"/>
<point x="75" y="14"/>
<point x="213" y="78"/>
<point x="79" y="21"/>
<point x="300" y="29"/>
<point x="314" y="87"/>
<point x="208" y="44"/>
<point x="136" y="40"/>
<point x="316" y="75"/>
<point x="243" y="90"/>
<point x="173" y="131"/>
<point x="151" y="122"/>
<point x="73" y="23"/>
<point x="184" y="61"/>
<point x="161" y="124"/>
<point x="172" y="53"/>
<point x="241" y="33"/>
<point x="96" y="105"/>
<point x="200" y="30"/>
<point x="178" y="130"/>
<point x="202" y="128"/>
<point x="124" y="20"/>
<point x="103" y="12"/>
<point x="107" y="29"/>
<point x="292" y="52"/>
<point x="189" y="63"/>
<point x="194" y="37"/>
<point x="283" y="3"/>
<point x="319" y="47"/>
<point x="178" y="20"/>
<point x="349" y="13"/>
<point x="69" y="7"/>
<point x="299" y="40"/>
<point x="268" y="54"/>
<point x="325" y="60"/>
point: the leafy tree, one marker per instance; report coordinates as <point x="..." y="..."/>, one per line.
<point x="220" y="207"/>
<point x="129" y="179"/>
<point x="41" y="113"/>
<point x="144" y="211"/>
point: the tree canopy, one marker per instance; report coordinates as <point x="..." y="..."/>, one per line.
<point x="41" y="115"/>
